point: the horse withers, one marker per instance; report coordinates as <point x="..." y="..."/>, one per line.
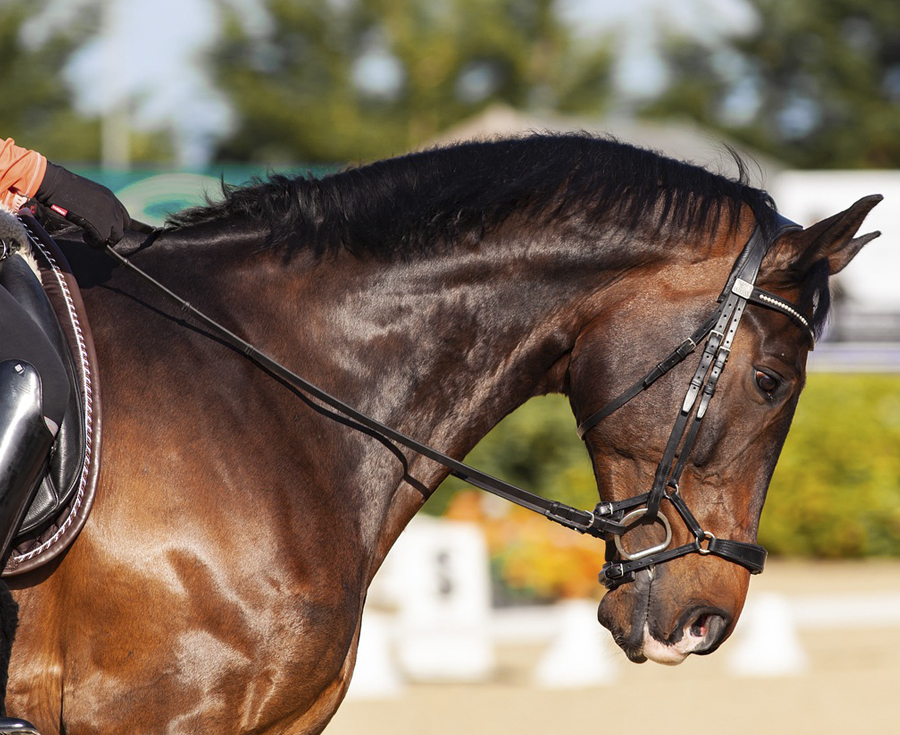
<point x="219" y="583"/>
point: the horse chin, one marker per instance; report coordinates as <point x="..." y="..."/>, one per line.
<point x="664" y="653"/>
<point x="623" y="612"/>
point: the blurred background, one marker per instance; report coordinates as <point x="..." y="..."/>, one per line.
<point x="163" y="99"/>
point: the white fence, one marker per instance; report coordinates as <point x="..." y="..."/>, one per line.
<point x="430" y="620"/>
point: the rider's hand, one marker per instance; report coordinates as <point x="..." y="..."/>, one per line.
<point x="86" y="203"/>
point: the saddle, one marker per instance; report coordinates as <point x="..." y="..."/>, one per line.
<point x="66" y="493"/>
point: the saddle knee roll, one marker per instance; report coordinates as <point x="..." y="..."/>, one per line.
<point x="25" y="443"/>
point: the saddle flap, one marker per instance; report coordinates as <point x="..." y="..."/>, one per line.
<point x="61" y="479"/>
<point x="66" y="494"/>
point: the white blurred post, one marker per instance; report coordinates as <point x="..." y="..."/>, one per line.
<point x="375" y="675"/>
<point x="768" y="643"/>
<point x="581" y="653"/>
<point x="442" y="587"/>
<point x="115" y="143"/>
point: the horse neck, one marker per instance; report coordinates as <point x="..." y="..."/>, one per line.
<point x="440" y="347"/>
<point x="443" y="347"/>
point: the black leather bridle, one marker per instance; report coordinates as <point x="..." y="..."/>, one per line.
<point x="719" y="331"/>
<point x="609" y="520"/>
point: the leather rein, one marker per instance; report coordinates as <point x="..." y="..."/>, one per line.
<point x="609" y="520"/>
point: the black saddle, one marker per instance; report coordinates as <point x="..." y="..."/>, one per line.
<point x="66" y="458"/>
<point x="65" y="495"/>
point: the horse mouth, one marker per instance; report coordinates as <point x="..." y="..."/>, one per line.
<point x="661" y="652"/>
<point x="636" y="656"/>
<point x="632" y="642"/>
<point x="700" y="629"/>
<point x="700" y="632"/>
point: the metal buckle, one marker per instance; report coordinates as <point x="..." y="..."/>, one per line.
<point x="742" y="288"/>
<point x="554" y="515"/>
<point x="643" y="553"/>
<point x="686" y="348"/>
<point x="590" y="524"/>
<point x="709" y="536"/>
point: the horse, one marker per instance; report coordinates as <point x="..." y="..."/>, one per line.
<point x="219" y="583"/>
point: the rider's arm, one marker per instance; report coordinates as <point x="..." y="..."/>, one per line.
<point x="21" y="173"/>
<point x="25" y="174"/>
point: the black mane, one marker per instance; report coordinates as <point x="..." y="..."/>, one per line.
<point x="403" y="206"/>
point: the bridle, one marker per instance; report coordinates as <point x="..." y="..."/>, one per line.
<point x="719" y="330"/>
<point x="609" y="520"/>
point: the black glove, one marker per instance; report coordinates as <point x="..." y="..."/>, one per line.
<point x="86" y="203"/>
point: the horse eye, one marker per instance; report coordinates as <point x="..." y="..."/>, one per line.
<point x="767" y="383"/>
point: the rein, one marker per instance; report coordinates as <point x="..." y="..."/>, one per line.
<point x="578" y="520"/>
<point x="609" y="520"/>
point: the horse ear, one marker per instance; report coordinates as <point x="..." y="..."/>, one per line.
<point x="831" y="239"/>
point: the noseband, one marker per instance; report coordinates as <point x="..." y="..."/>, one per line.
<point x="609" y="520"/>
<point x="617" y="517"/>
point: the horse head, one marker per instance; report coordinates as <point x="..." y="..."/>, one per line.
<point x="690" y="604"/>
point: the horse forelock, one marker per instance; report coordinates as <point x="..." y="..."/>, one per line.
<point x="439" y="198"/>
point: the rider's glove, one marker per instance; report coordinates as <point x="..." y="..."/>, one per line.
<point x="86" y="203"/>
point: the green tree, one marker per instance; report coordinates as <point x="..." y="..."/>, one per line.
<point x="535" y="447"/>
<point x="816" y="84"/>
<point x="36" y="108"/>
<point x="365" y="79"/>
<point x="836" y="490"/>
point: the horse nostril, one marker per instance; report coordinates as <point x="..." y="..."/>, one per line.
<point x="700" y="626"/>
<point x="707" y="631"/>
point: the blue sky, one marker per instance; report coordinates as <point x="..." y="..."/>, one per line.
<point x="638" y="26"/>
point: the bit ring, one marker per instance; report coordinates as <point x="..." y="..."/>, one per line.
<point x="643" y="553"/>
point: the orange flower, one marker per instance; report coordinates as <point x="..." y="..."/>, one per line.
<point x="533" y="555"/>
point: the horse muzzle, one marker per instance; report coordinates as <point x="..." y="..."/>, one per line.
<point x="657" y="621"/>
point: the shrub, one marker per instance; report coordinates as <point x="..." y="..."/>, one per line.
<point x="835" y="493"/>
<point x="836" y="490"/>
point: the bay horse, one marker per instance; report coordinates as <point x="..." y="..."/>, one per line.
<point x="219" y="584"/>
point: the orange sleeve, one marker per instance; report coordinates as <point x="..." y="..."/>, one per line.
<point x="21" y="171"/>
